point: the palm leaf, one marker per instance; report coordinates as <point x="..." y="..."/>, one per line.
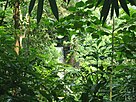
<point x="105" y="10"/>
<point x="66" y="1"/>
<point x="112" y="10"/>
<point x="124" y="6"/>
<point x="31" y="6"/>
<point x="54" y="8"/>
<point x="116" y="6"/>
<point x="132" y="2"/>
<point x="39" y="10"/>
<point x="98" y="2"/>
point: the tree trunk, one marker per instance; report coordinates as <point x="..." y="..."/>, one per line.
<point x="16" y="18"/>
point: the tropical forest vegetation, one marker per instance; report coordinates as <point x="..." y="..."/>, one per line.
<point x="67" y="50"/>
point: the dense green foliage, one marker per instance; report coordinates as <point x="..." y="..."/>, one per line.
<point x="108" y="5"/>
<point x="93" y="54"/>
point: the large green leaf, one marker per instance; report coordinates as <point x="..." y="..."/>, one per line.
<point x="99" y="1"/>
<point x="132" y="2"/>
<point x="54" y="8"/>
<point x="112" y="10"/>
<point x="66" y="1"/>
<point x="39" y="10"/>
<point x="124" y="6"/>
<point x="80" y="4"/>
<point x="105" y="10"/>
<point x="114" y="5"/>
<point x="31" y="6"/>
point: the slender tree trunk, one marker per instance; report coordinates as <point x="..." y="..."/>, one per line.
<point x="16" y="18"/>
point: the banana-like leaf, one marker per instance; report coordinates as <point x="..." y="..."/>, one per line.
<point x="66" y="1"/>
<point x="31" y="6"/>
<point x="39" y="10"/>
<point x="124" y="6"/>
<point x="132" y="2"/>
<point x="105" y="10"/>
<point x="99" y="1"/>
<point x="112" y="10"/>
<point x="116" y="6"/>
<point x="54" y="8"/>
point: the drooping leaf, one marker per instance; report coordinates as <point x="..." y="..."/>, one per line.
<point x="31" y="6"/>
<point x="67" y="1"/>
<point x="105" y="7"/>
<point x="112" y="11"/>
<point x="54" y="8"/>
<point x="39" y="10"/>
<point x="98" y="2"/>
<point x="132" y="2"/>
<point x="116" y="6"/>
<point x="105" y="10"/>
<point x="124" y="6"/>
